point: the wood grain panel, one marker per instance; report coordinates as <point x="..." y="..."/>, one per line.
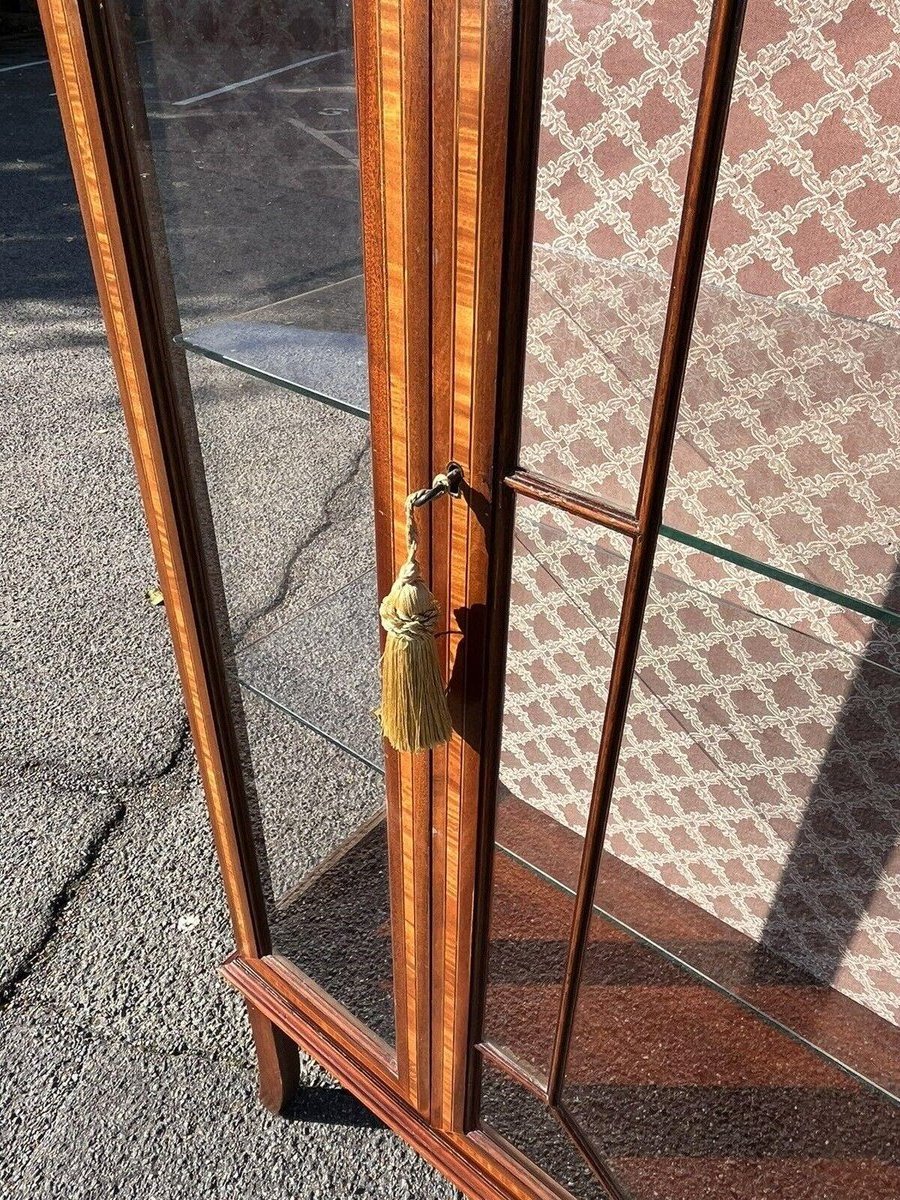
<point x="391" y="39"/>
<point x="472" y="45"/>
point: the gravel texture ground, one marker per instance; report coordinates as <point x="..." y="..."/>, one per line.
<point x="126" y="1067"/>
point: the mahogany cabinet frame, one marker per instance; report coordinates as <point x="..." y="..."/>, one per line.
<point x="89" y="51"/>
<point x="449" y="99"/>
<point x="484" y="240"/>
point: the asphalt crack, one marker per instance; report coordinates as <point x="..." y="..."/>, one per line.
<point x="179" y="747"/>
<point x="60" y="902"/>
<point x="286" y="583"/>
<point x="71" y="886"/>
<point x="61" y="776"/>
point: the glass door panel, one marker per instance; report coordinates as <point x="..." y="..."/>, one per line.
<point x="789" y="425"/>
<point x="620" y="92"/>
<point x="562" y="628"/>
<point x="716" y="1010"/>
<point x="757" y="780"/>
<point x="251" y="124"/>
<point x="745" y="931"/>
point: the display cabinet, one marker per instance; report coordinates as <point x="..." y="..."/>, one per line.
<point x="634" y="931"/>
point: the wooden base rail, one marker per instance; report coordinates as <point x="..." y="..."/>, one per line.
<point x="481" y="1168"/>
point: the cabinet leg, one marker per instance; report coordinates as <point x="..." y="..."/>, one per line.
<point x="279" y="1062"/>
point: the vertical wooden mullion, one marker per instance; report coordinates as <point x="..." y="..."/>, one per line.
<point x="700" y="190"/>
<point x="471" y="47"/>
<point x="393" y="73"/>
<point x="444" y="107"/>
<point x="526" y="76"/>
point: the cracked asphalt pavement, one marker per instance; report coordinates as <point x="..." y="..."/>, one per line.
<point x="126" y="1067"/>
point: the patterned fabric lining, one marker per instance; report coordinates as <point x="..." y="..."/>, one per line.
<point x="759" y="776"/>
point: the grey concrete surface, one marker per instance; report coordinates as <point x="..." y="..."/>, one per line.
<point x="126" y="1067"/>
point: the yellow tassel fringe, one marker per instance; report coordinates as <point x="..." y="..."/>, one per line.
<point x="414" y="713"/>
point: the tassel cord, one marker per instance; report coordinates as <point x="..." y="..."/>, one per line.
<point x="414" y="713"/>
<point x="440" y="484"/>
<point x="421" y="624"/>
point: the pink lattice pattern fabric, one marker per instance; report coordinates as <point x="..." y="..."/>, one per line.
<point x="760" y="773"/>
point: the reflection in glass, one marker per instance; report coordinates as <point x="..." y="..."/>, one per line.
<point x="619" y="101"/>
<point x="322" y="818"/>
<point x="788" y="435"/>
<point x="313" y="344"/>
<point x="521" y="1119"/>
<point x="296" y="553"/>
<point x="686" y="1093"/>
<point x="558" y="660"/>
<point x="252" y="124"/>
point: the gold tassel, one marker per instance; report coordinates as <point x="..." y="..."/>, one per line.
<point x="414" y="713"/>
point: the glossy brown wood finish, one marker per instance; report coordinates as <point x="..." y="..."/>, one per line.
<point x="392" y="68"/>
<point x="529" y="19"/>
<point x="492" y="1143"/>
<point x="579" y="504"/>
<point x="279" y="1062"/>
<point x="700" y="189"/>
<point x="482" y="1170"/>
<point x="495" y="1057"/>
<point x="471" y="55"/>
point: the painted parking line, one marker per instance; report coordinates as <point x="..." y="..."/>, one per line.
<point x="321" y="136"/>
<point x="230" y="87"/>
<point x="37" y="62"/>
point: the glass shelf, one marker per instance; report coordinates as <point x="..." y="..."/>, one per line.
<point x="731" y="582"/>
<point x="738" y="721"/>
<point x="784" y="453"/>
<point x="876" y="612"/>
<point x="322" y="669"/>
<point x="313" y="344"/>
